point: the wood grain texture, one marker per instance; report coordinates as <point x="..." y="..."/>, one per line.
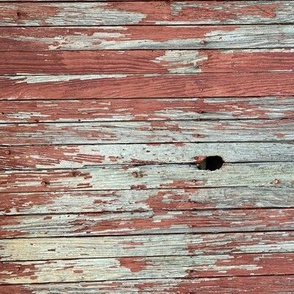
<point x="107" y="110"/>
<point x="146" y="109"/>
<point x="149" y="222"/>
<point x="145" y="245"/>
<point x="147" y="132"/>
<point x="145" y="61"/>
<point x="147" y="86"/>
<point x="146" y="37"/>
<point x="80" y="156"/>
<point x="83" y="270"/>
<point x="145" y="200"/>
<point x="154" y="12"/>
<point x="280" y="284"/>
<point x="149" y="176"/>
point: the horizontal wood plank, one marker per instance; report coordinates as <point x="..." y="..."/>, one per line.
<point x="107" y="110"/>
<point x="145" y="200"/>
<point x="145" y="61"/>
<point x="153" y="12"/>
<point x="149" y="222"/>
<point x="80" y="156"/>
<point x="145" y="245"/>
<point x="280" y="284"/>
<point x="83" y="270"/>
<point x="147" y="132"/>
<point x="146" y="109"/>
<point x="146" y="37"/>
<point x="149" y="176"/>
<point x="147" y="86"/>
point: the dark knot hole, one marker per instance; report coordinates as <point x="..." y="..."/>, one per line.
<point x="210" y="163"/>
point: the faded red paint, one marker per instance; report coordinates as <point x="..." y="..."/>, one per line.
<point x="222" y="285"/>
<point x="133" y="264"/>
<point x="45" y="180"/>
<point x="191" y="221"/>
<point x="253" y="264"/>
<point x="228" y="285"/>
<point x="6" y="231"/>
<point x="183" y="184"/>
<point x="20" y="289"/>
<point x="173" y="86"/>
<point x="142" y="61"/>
<point x="10" y="270"/>
<point x="154" y="12"/>
<point x="20" y="13"/>
<point x="185" y="199"/>
<point x="205" y="11"/>
<point x="217" y="74"/>
<point x="138" y="109"/>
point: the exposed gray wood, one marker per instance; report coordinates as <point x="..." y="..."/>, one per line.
<point x="144" y="200"/>
<point x="146" y="267"/>
<point x="79" y="156"/>
<point x="281" y="284"/>
<point x="107" y="110"/>
<point x="130" y="13"/>
<point x="146" y="109"/>
<point x="150" y="222"/>
<point x="146" y="245"/>
<point x="147" y="37"/>
<point x="278" y="174"/>
<point x="147" y="132"/>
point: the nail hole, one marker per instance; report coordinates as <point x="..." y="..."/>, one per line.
<point x="210" y="163"/>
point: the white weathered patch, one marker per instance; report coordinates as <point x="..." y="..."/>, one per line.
<point x="277" y="247"/>
<point x="181" y="61"/>
<point x="93" y="14"/>
<point x="61" y="78"/>
<point x="83" y="41"/>
<point x="25" y="115"/>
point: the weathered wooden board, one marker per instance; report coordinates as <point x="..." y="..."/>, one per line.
<point x="145" y="245"/>
<point x="147" y="132"/>
<point x="146" y="109"/>
<point x="107" y="109"/>
<point x="83" y="270"/>
<point x="145" y="200"/>
<point x="149" y="222"/>
<point x="147" y="37"/>
<point x="79" y="156"/>
<point x="278" y="284"/>
<point x="279" y="174"/>
<point x="147" y="86"/>
<point x="146" y="61"/>
<point x="153" y="12"/>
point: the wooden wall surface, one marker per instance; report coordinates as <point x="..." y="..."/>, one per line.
<point x="107" y="111"/>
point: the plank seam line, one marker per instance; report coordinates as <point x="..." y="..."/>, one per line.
<point x="153" y="211"/>
<point x="152" y="235"/>
<point x="148" y="279"/>
<point x="3" y="262"/>
<point x="148" y="120"/>
<point x="142" y="234"/>
<point x="145" y="25"/>
<point x="290" y="141"/>
<point x="203" y="47"/>
<point x="131" y="165"/>
<point x="54" y="100"/>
